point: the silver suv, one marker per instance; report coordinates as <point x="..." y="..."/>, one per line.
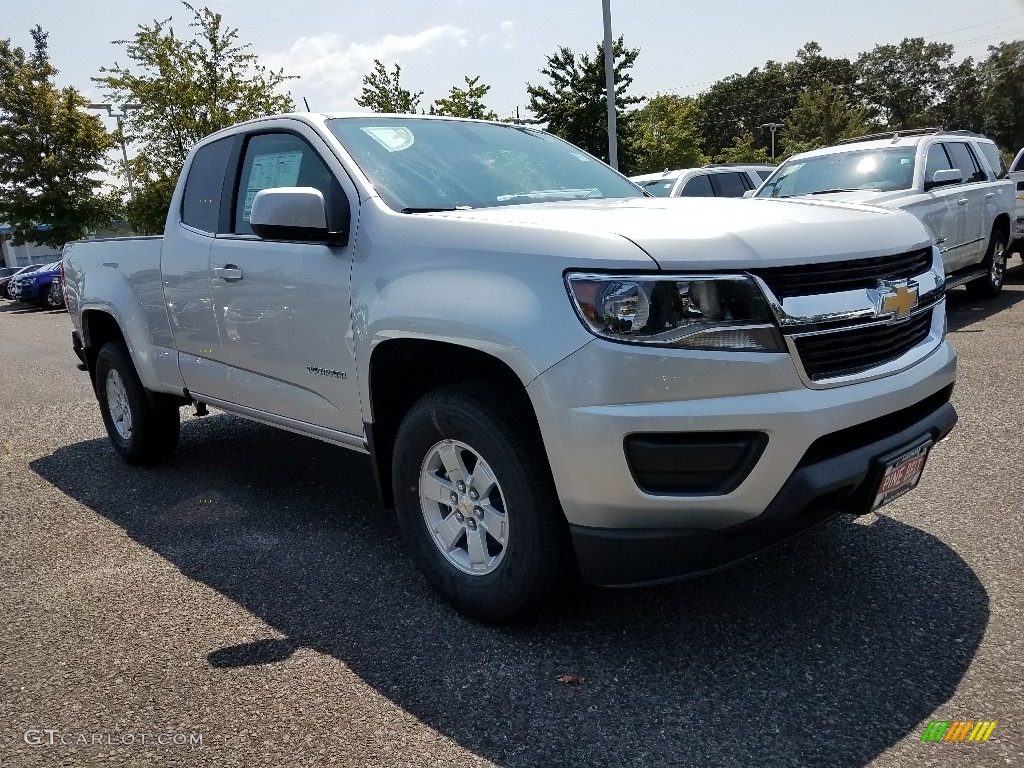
<point x="953" y="181"/>
<point x="716" y="180"/>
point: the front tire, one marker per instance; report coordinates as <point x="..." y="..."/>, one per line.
<point x="141" y="432"/>
<point x="476" y="502"/>
<point x="989" y="286"/>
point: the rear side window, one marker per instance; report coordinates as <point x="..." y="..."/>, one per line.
<point x="961" y="156"/>
<point x="729" y="184"/>
<point x="995" y="159"/>
<point x="280" y="160"/>
<point x="698" y="186"/>
<point x="200" y="203"/>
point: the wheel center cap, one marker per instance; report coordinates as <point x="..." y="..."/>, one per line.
<point x="465" y="505"/>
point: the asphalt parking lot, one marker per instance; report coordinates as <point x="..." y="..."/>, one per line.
<point x="251" y="595"/>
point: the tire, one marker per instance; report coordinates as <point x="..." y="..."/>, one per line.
<point x="989" y="286"/>
<point x="140" y="432"/>
<point x="43" y="299"/>
<point x="519" y="550"/>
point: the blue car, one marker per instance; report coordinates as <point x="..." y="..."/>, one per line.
<point x="34" y="287"/>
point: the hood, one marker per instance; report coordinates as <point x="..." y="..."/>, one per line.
<point x="721" y="233"/>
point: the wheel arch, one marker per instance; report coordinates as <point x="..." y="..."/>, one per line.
<point x="1002" y="224"/>
<point x="403" y="370"/>
<point x="100" y="327"/>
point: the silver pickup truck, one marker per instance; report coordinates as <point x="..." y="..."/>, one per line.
<point x="549" y="369"/>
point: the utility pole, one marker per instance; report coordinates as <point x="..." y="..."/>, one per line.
<point x="774" y="127"/>
<point x="609" y="79"/>
<point x="118" y="111"/>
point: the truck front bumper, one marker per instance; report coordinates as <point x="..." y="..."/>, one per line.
<point x="824" y="484"/>
<point x="794" y="456"/>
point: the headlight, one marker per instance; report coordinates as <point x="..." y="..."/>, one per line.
<point x="689" y="311"/>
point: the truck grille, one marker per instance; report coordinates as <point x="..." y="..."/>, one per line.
<point x="809" y="279"/>
<point x="855" y="350"/>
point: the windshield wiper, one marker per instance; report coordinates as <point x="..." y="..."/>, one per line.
<point x="839" y="189"/>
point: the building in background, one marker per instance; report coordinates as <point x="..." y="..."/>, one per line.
<point x="21" y="255"/>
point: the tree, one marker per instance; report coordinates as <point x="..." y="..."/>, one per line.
<point x="903" y="84"/>
<point x="50" y="152"/>
<point x="383" y="92"/>
<point x="740" y="104"/>
<point x="465" y="103"/>
<point x="963" y="105"/>
<point x="820" y="118"/>
<point x="187" y="88"/>
<point x="1002" y="74"/>
<point x="666" y="134"/>
<point x="575" y="105"/>
<point x="743" y="150"/>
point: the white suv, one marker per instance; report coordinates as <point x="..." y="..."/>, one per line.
<point x="717" y="180"/>
<point x="1016" y="175"/>
<point x="953" y="181"/>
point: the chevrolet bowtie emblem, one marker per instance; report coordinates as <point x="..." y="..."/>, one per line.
<point x="896" y="299"/>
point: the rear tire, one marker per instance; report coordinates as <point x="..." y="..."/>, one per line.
<point x="989" y="286"/>
<point x="498" y="547"/>
<point x="140" y="432"/>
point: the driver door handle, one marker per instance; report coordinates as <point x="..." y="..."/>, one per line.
<point x="228" y="272"/>
<point x="962" y="201"/>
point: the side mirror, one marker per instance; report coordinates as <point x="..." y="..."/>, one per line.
<point x="291" y="213"/>
<point x="942" y="178"/>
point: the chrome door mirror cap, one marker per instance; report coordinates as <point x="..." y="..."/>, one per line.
<point x="290" y="213"/>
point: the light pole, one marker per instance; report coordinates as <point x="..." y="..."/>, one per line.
<point x="118" y="111"/>
<point x="609" y="84"/>
<point x="774" y="127"/>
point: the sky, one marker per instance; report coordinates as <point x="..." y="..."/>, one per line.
<point x="684" y="46"/>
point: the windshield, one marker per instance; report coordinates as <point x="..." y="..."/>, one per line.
<point x="427" y="165"/>
<point x="881" y="170"/>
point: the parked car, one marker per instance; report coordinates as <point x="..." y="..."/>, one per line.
<point x="5" y="282"/>
<point x="1016" y="176"/>
<point x="34" y="287"/>
<point x="716" y="180"/>
<point x="548" y="369"/>
<point x="953" y="181"/>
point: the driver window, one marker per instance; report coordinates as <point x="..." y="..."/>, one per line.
<point x="937" y="161"/>
<point x="279" y="160"/>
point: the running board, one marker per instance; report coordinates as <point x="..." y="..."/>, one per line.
<point x="964" y="276"/>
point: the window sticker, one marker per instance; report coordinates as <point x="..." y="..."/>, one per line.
<point x="277" y="169"/>
<point x="392" y="139"/>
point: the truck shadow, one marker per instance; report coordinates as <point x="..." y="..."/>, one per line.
<point x="825" y="652"/>
<point x="962" y="311"/>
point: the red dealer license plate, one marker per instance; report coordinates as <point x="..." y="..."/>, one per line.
<point x="901" y="474"/>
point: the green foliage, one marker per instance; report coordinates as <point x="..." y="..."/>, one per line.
<point x="575" y="104"/>
<point x="963" y="107"/>
<point x="186" y="89"/>
<point x="465" y="103"/>
<point x="821" y="118"/>
<point x="743" y="150"/>
<point x="1002" y="75"/>
<point x="383" y="92"/>
<point x="904" y="84"/>
<point x="740" y="104"/>
<point x="50" y="152"/>
<point x="666" y="134"/>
